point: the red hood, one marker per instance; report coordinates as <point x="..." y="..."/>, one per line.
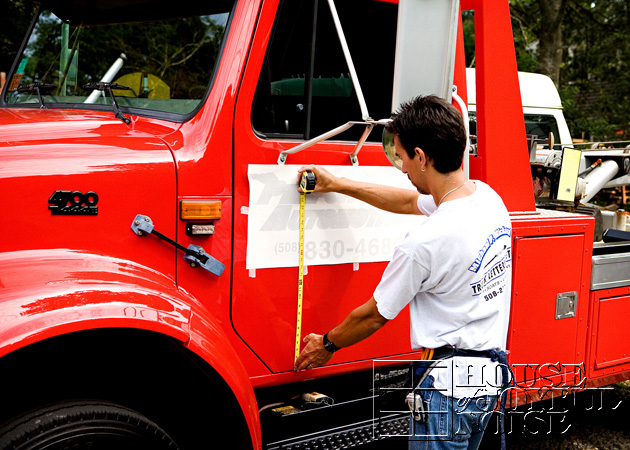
<point x="47" y="142"/>
<point x="42" y="152"/>
<point x="27" y="125"/>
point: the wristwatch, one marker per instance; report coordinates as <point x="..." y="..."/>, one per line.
<point x="332" y="348"/>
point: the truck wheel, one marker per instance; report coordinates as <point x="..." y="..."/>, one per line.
<point x="91" y="425"/>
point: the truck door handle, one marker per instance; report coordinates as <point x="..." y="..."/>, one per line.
<point x="193" y="255"/>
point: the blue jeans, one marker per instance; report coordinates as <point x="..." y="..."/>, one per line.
<point x="453" y="424"/>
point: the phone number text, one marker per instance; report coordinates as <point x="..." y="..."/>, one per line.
<point x="339" y="249"/>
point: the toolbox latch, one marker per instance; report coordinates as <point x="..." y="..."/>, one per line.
<point x="566" y="305"/>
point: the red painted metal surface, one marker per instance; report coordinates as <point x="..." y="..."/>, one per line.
<point x="264" y="306"/>
<point x="500" y="126"/>
<point x="609" y="352"/>
<point x="45" y="150"/>
<point x="551" y="255"/>
<point x="75" y="290"/>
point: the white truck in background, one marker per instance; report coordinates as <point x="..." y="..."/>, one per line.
<point x="542" y="108"/>
<point x="601" y="164"/>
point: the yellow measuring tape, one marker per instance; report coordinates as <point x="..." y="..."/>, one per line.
<point x="298" y="327"/>
<point x="307" y="184"/>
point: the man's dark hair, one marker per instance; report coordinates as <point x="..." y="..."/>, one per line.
<point x="433" y="125"/>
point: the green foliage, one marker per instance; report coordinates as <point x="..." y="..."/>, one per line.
<point x="468" y="26"/>
<point x="595" y="69"/>
<point x="15" y="17"/>
<point x="179" y="53"/>
<point x="594" y="81"/>
<point x="524" y="42"/>
<point x="525" y="29"/>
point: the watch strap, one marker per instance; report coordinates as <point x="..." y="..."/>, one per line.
<point x="328" y="345"/>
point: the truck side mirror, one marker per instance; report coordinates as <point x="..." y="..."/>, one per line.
<point x="390" y="150"/>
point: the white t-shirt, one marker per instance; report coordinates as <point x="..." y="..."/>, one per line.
<point x="454" y="271"/>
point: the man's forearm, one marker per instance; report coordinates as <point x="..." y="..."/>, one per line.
<point x="358" y="325"/>
<point x="388" y="198"/>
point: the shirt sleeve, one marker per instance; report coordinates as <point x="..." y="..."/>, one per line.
<point x="426" y="204"/>
<point x="400" y="283"/>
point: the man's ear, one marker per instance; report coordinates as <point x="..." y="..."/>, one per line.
<point x="422" y="157"/>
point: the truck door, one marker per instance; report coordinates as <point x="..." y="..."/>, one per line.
<point x="297" y="86"/>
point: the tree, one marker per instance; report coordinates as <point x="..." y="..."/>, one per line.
<point x="181" y="53"/>
<point x="538" y="31"/>
<point x="584" y="47"/>
<point x="550" y="34"/>
<point x="595" y="83"/>
<point x="15" y="17"/>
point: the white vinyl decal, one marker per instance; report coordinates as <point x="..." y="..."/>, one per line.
<point x="338" y="229"/>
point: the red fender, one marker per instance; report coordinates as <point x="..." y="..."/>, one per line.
<point x="208" y="341"/>
<point x="50" y="292"/>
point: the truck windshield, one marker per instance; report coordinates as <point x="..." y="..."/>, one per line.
<point x="167" y="65"/>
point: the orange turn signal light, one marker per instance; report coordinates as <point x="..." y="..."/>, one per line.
<point x="200" y="209"/>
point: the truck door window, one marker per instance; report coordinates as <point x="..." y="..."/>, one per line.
<point x="541" y="125"/>
<point x="305" y="88"/>
<point x="167" y="64"/>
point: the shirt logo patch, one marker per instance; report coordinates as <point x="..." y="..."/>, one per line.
<point x="490" y="241"/>
<point x="494" y="260"/>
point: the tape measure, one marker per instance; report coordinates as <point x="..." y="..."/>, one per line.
<point x="307" y="184"/>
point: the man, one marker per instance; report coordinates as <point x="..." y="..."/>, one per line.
<point x="454" y="271"/>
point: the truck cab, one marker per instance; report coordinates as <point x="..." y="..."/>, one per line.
<point x="148" y="275"/>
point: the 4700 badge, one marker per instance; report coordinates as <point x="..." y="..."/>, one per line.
<point x="74" y="203"/>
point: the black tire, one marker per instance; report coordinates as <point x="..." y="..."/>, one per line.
<point x="92" y="425"/>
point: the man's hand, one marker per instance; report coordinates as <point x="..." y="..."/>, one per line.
<point x="326" y="181"/>
<point x="314" y="353"/>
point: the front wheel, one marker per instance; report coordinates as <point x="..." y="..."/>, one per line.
<point x="90" y="425"/>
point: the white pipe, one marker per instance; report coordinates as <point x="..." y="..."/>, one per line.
<point x="598" y="178"/>
<point x="108" y="77"/>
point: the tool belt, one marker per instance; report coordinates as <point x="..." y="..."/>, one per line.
<point x="432" y="357"/>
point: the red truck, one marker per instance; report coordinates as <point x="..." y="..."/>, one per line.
<point x="140" y="143"/>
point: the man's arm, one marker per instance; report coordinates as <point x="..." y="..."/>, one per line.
<point x="358" y="325"/>
<point x="392" y="199"/>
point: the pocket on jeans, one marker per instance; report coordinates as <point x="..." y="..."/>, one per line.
<point x="471" y="415"/>
<point x="466" y="416"/>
